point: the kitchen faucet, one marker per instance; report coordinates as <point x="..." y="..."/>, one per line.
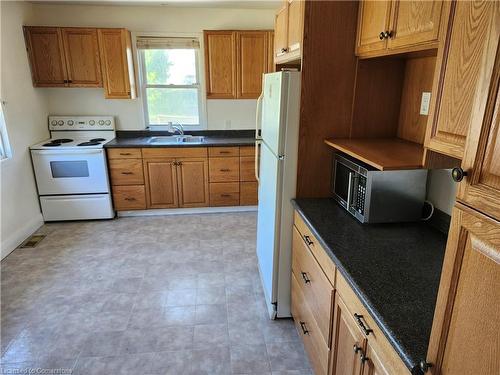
<point x="176" y="128"/>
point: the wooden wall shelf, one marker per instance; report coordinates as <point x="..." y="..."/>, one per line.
<point x="381" y="153"/>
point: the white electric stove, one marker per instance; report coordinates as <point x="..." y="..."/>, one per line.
<point x="71" y="169"/>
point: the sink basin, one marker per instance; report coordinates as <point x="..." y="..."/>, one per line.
<point x="174" y="139"/>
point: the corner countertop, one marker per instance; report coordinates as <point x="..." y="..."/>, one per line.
<point x="221" y="138"/>
<point x="393" y="268"/>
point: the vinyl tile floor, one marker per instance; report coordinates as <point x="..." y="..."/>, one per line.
<point x="144" y="295"/>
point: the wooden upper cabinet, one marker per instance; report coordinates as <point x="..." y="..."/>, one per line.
<point x="116" y="60"/>
<point x="373" y="19"/>
<point x="160" y="177"/>
<point x="481" y="187"/>
<point x="386" y="27"/>
<point x="465" y="69"/>
<point x="281" y="31"/>
<point x="348" y="341"/>
<point x="414" y="22"/>
<point x="46" y="56"/>
<point x="82" y="57"/>
<point x="464" y="337"/>
<point x="220" y="64"/>
<point x="288" y="31"/>
<point x="251" y="63"/>
<point x="295" y="24"/>
<point x="192" y="182"/>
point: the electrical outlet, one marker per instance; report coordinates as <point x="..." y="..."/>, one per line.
<point x="228" y="124"/>
<point x="424" y="104"/>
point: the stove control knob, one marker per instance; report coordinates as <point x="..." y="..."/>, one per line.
<point x="101" y="122"/>
<point x="108" y="122"/>
<point x="60" y="122"/>
<point x="53" y="122"/>
<point x="92" y="122"/>
<point x="70" y="122"/>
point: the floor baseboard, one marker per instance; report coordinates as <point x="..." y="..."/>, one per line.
<point x="186" y="211"/>
<point x="10" y="243"/>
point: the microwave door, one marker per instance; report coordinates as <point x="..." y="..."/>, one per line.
<point x="342" y="183"/>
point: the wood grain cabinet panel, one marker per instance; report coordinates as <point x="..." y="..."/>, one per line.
<point x="373" y="19"/>
<point x="251" y="63"/>
<point x="374" y="364"/>
<point x="132" y="197"/>
<point x="247" y="168"/>
<point x="46" y="56"/>
<point x="82" y="57"/>
<point x="249" y="192"/>
<point x="192" y="181"/>
<point x="224" y="169"/>
<point x="220" y="64"/>
<point x="124" y="153"/>
<point x="295" y="24"/>
<point x="223" y="151"/>
<point x="116" y="62"/>
<point x="224" y="194"/>
<point x="465" y="70"/>
<point x="465" y="337"/>
<point x="414" y="22"/>
<point x="161" y="183"/>
<point x="281" y="31"/>
<point x="126" y="172"/>
<point x="288" y="31"/>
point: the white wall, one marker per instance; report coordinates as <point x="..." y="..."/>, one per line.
<point x="26" y="119"/>
<point x="441" y="189"/>
<point x="221" y="114"/>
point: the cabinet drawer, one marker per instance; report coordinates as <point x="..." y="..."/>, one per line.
<point x="314" y="285"/>
<point x="224" y="169"/>
<point x="124" y="153"/>
<point x="225" y="194"/>
<point x="247" y="168"/>
<point x="223" y="151"/>
<point x="126" y="172"/>
<point x="174" y="152"/>
<point x="247" y="151"/>
<point x="248" y="193"/>
<point x="307" y="328"/>
<point x="132" y="197"/>
<point x="319" y="253"/>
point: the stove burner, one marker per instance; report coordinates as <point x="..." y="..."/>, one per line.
<point x="51" y="144"/>
<point x="97" y="140"/>
<point x="89" y="143"/>
<point x="61" y="140"/>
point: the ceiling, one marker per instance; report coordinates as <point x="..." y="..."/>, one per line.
<point x="244" y="4"/>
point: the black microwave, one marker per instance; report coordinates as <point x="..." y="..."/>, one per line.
<point x="374" y="196"/>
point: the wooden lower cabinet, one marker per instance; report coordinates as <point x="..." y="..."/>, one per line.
<point x="465" y="338"/>
<point x="130" y="197"/>
<point x="161" y="183"/>
<point x="192" y="182"/>
<point x="374" y="363"/>
<point x="126" y="171"/>
<point x="249" y="193"/>
<point x="224" y="194"/>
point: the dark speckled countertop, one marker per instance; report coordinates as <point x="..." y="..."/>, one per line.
<point x="212" y="138"/>
<point x="393" y="268"/>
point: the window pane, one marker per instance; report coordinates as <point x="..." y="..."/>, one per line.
<point x="170" y="66"/>
<point x="175" y="105"/>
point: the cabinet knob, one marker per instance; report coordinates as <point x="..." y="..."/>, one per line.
<point x="458" y="174"/>
<point x="305" y="278"/>
<point x="381" y="36"/>
<point x="356" y="348"/>
<point x="304" y="328"/>
<point x="308" y="240"/>
<point x="387" y="34"/>
<point x="283" y="50"/>
<point x="425" y="366"/>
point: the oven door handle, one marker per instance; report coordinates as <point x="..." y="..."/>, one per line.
<point x="67" y="152"/>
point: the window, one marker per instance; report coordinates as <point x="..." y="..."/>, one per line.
<point x="170" y="80"/>
<point x="5" y="151"/>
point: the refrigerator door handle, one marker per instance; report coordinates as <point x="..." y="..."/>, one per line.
<point x="256" y="164"/>
<point x="258" y="115"/>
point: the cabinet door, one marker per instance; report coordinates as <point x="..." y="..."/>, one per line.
<point x="270" y="52"/>
<point x="46" y="55"/>
<point x="465" y="337"/>
<point x="281" y="31"/>
<point x="465" y="69"/>
<point x="295" y="24"/>
<point x="116" y="63"/>
<point x="373" y="363"/>
<point x="220" y="64"/>
<point x="481" y="188"/>
<point x="161" y="183"/>
<point x="373" y="19"/>
<point x="251" y="63"/>
<point x="82" y="57"/>
<point x="414" y="22"/>
<point x="348" y="341"/>
<point x="192" y="181"/>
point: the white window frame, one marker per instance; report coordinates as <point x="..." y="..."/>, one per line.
<point x="5" y="150"/>
<point x="141" y="73"/>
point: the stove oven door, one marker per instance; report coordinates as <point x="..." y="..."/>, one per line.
<point x="70" y="171"/>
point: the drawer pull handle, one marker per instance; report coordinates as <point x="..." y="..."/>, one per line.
<point x="225" y="195"/>
<point x="363" y="357"/>
<point x="304" y="328"/>
<point x="125" y="153"/>
<point x="366" y="330"/>
<point x="225" y="170"/>
<point x="224" y="152"/>
<point x="305" y="278"/>
<point x="308" y="240"/>
<point x="356" y="348"/>
<point x="127" y="173"/>
<point x="130" y="199"/>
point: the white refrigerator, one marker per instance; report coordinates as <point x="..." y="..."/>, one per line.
<point x="278" y="112"/>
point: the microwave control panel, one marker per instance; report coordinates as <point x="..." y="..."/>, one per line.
<point x="359" y="204"/>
